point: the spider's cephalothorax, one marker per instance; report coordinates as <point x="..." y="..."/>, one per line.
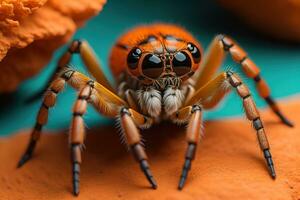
<point x="157" y="62"/>
<point x="159" y="76"/>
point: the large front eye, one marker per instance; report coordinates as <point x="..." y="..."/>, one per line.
<point x="133" y="58"/>
<point x="194" y="51"/>
<point x="181" y="63"/>
<point x="152" y="66"/>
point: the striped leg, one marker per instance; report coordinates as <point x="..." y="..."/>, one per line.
<point x="77" y="132"/>
<point x="89" y="58"/>
<point x="253" y="115"/>
<point x="133" y="139"/>
<point x="252" y="71"/>
<point x="107" y="103"/>
<point x="209" y="95"/>
<point x="194" y="113"/>
<point x="214" y="59"/>
<point x="49" y="101"/>
<point x="67" y="75"/>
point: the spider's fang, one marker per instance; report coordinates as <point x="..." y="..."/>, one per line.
<point x="270" y="164"/>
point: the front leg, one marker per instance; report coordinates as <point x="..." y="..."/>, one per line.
<point x="253" y="115"/>
<point x="77" y="133"/>
<point x="193" y="133"/>
<point x="133" y="139"/>
<point x="213" y="61"/>
<point x="208" y="95"/>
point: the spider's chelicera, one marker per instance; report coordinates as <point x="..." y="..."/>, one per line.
<point x="159" y="76"/>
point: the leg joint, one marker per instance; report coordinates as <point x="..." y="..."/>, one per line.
<point x="195" y="108"/>
<point x="75" y="46"/>
<point x="45" y="106"/>
<point x="257" y="124"/>
<point x="125" y="111"/>
<point x="54" y="91"/>
<point x="247" y="96"/>
<point x="138" y="152"/>
<point x="233" y="80"/>
<point x="75" y="114"/>
<point x="83" y="97"/>
<point x="191" y="151"/>
<point x="243" y="59"/>
<point x="67" y="74"/>
<point x="91" y="83"/>
<point x="227" y="43"/>
<point x="257" y="78"/>
<point x="38" y="126"/>
<point x="269" y="100"/>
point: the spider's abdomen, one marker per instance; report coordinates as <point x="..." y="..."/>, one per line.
<point x="156" y="38"/>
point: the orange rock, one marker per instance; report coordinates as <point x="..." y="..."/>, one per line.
<point x="276" y="18"/>
<point x="30" y="31"/>
<point x="228" y="165"/>
<point x="11" y="11"/>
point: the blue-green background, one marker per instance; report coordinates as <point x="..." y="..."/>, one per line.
<point x="279" y="61"/>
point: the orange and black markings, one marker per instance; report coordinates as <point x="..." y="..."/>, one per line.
<point x="159" y="76"/>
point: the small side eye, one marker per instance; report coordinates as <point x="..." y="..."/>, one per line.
<point x="133" y="58"/>
<point x="194" y="51"/>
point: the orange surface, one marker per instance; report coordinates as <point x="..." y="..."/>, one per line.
<point x="229" y="164"/>
<point x="276" y="18"/>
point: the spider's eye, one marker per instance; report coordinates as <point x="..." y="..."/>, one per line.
<point x="195" y="52"/>
<point x="181" y="63"/>
<point x="133" y="58"/>
<point x="152" y="66"/>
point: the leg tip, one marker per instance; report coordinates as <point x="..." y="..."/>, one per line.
<point x="273" y="174"/>
<point x="284" y="120"/>
<point x="145" y="168"/>
<point x="76" y="193"/>
<point x="23" y="160"/>
<point x="153" y="183"/>
<point x="181" y="183"/>
<point x="288" y="123"/>
<point x="154" y="186"/>
<point x="180" y="187"/>
<point x="76" y="188"/>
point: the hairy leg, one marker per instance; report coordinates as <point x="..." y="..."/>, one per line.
<point x="213" y="61"/>
<point x="90" y="60"/>
<point x="77" y="132"/>
<point x="211" y="93"/>
<point x="133" y="139"/>
<point x="193" y="133"/>
<point x="107" y="103"/>
<point x="253" y="115"/>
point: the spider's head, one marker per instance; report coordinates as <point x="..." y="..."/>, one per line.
<point x="159" y="54"/>
<point x="152" y="66"/>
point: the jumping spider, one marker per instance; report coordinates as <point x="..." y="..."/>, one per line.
<point x="159" y="76"/>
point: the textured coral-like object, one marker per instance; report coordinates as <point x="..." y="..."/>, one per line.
<point x="30" y="31"/>
<point x="277" y="18"/>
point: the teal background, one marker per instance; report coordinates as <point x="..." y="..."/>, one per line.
<point x="279" y="61"/>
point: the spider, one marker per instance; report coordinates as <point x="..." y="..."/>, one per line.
<point x="159" y="76"/>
